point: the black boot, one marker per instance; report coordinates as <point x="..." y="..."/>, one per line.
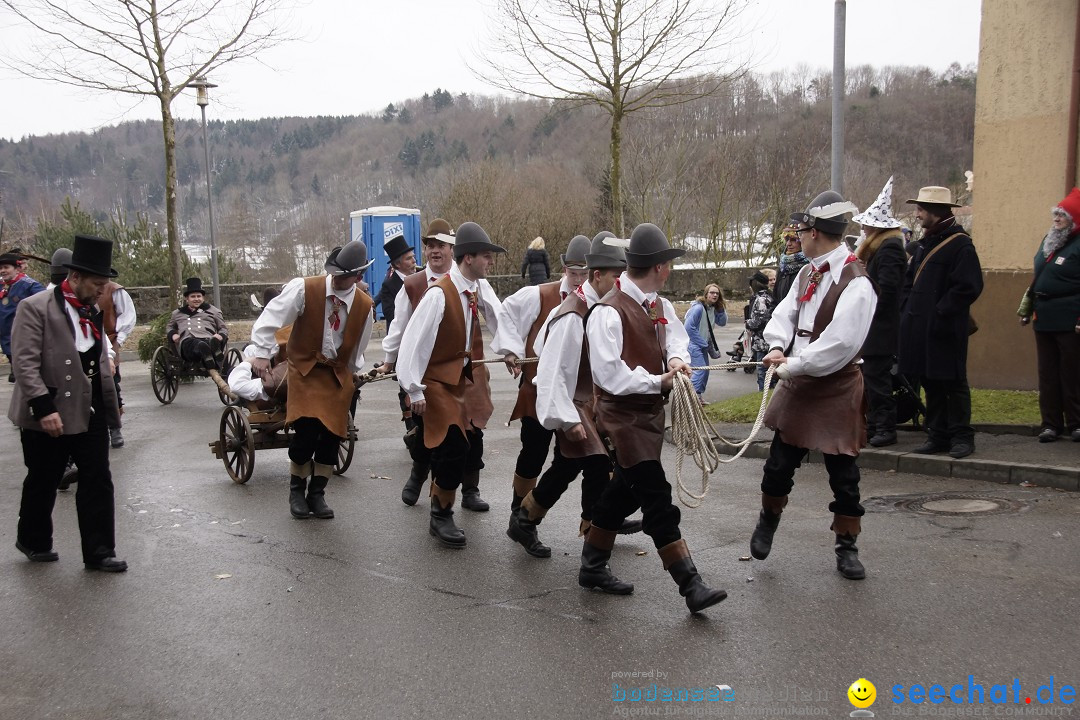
<point x="768" y="520"/>
<point x="442" y="524"/>
<point x="629" y="527"/>
<point x="847" y="529"/>
<point x="522" y="487"/>
<point x="676" y="557"/>
<point x="595" y="573"/>
<point x="316" y="496"/>
<point x="298" y="505"/>
<point x="523" y="524"/>
<point x="470" y="492"/>
<point x="411" y="492"/>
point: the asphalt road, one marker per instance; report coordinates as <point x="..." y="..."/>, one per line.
<point x="232" y="609"/>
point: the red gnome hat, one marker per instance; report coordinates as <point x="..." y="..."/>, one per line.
<point x="1071" y="205"/>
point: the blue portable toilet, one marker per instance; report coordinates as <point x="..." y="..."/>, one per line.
<point x="376" y="225"/>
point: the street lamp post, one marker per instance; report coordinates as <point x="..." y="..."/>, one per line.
<point x="203" y="99"/>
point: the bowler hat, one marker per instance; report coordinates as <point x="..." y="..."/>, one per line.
<point x="10" y="258"/>
<point x="92" y="255"/>
<point x="575" y="252"/>
<point x="607" y="251"/>
<point x="436" y="227"/>
<point x="193" y="285"/>
<point x="60" y="258"/>
<point x="348" y="260"/>
<point x="471" y="238"/>
<point x="649" y="246"/>
<point x="934" y="195"/>
<point x="395" y="247"/>
<point x="827" y="213"/>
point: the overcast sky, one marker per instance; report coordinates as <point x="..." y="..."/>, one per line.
<point x="358" y="55"/>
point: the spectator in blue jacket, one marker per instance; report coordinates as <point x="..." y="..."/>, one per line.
<point x="15" y="286"/>
<point x="707" y="311"/>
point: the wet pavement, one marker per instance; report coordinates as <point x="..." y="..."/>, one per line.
<point x="232" y="609"/>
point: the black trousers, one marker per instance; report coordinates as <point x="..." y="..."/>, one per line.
<point x="1059" y="379"/>
<point x="948" y="411"/>
<point x="45" y="458"/>
<point x="642" y="486"/>
<point x="878" y="388"/>
<point x="200" y="350"/>
<point x="311" y="440"/>
<point x="458" y="453"/>
<point x="535" y="442"/>
<point x="595" y="471"/>
<point x="779" y="476"/>
<point x="420" y="454"/>
<point x="116" y="382"/>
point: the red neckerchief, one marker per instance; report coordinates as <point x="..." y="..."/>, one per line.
<point x="580" y="292"/>
<point x="472" y="303"/>
<point x="816" y="275"/>
<point x="335" y="319"/>
<point x="82" y="309"/>
<point x="8" y="286"/>
<point x="653" y="312"/>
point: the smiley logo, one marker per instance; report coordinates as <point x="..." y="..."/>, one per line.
<point x="862" y="693"/>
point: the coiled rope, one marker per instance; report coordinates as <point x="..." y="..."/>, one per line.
<point x="692" y="433"/>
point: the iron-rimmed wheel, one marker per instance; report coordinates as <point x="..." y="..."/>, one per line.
<point x="345" y="449"/>
<point x="237" y="444"/>
<point x="162" y="378"/>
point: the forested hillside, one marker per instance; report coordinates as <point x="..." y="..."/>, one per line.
<point x="722" y="170"/>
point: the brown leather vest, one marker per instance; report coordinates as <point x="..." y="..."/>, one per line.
<point x="108" y="311"/>
<point x="305" y="342"/>
<point x="415" y="286"/>
<point x="573" y="304"/>
<point x="644" y="343"/>
<point x="550" y="297"/>
<point x="827" y="308"/>
<point x="447" y="357"/>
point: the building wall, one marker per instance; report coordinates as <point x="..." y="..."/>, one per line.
<point x="1021" y="130"/>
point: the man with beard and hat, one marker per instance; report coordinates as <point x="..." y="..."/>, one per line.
<point x="1054" y="301"/>
<point x="942" y="281"/>
<point x="448" y="389"/>
<point x="402" y="265"/>
<point x="15" y="286"/>
<point x="634" y="353"/>
<point x="439" y="250"/>
<point x="814" y="337"/>
<point x="523" y="314"/>
<point x="198" y="331"/>
<point x="331" y="325"/>
<point x="64" y="402"/>
<point x="563" y="399"/>
<point x="881" y="249"/>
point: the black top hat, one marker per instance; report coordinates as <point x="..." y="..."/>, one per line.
<point x="576" y="251"/>
<point x="395" y="247"/>
<point x="649" y="246"/>
<point x="607" y="251"/>
<point x="193" y="285"/>
<point x="826" y="213"/>
<point x="92" y="255"/>
<point x="471" y="238"/>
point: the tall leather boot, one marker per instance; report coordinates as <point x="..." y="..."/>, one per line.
<point x="470" y="492"/>
<point x="847" y="528"/>
<point x="522" y="487"/>
<point x="628" y="527"/>
<point x="411" y="492"/>
<point x="595" y="574"/>
<point x="768" y="520"/>
<point x="316" y="496"/>
<point x="523" y="524"/>
<point x="220" y="382"/>
<point x="676" y="557"/>
<point x="298" y="477"/>
<point x="442" y="524"/>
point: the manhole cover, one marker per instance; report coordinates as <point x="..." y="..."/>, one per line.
<point x="957" y="504"/>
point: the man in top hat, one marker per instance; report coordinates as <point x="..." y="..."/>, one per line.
<point x="523" y="314"/>
<point x="881" y="249"/>
<point x="15" y="286"/>
<point x="942" y="281"/>
<point x="436" y="366"/>
<point x="439" y="249"/>
<point x="563" y="399"/>
<point x="198" y="331"/>
<point x="814" y="338"/>
<point x="331" y="326"/>
<point x="402" y="265"/>
<point x="636" y="346"/>
<point x="64" y="402"/>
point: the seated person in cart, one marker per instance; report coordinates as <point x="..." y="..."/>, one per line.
<point x="268" y="390"/>
<point x="199" y="333"/>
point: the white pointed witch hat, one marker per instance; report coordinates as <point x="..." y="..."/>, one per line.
<point x="879" y="214"/>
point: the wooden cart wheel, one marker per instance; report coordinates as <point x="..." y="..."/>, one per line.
<point x="237" y="444"/>
<point x="345" y="450"/>
<point x="162" y="378"/>
<point x="232" y="359"/>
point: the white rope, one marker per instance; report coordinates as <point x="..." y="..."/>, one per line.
<point x="692" y="433"/>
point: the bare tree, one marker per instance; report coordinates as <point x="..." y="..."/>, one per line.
<point x="146" y="48"/>
<point x="620" y="55"/>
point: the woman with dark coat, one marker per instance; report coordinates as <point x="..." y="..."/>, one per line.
<point x="536" y="267"/>
<point x="1053" y="300"/>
